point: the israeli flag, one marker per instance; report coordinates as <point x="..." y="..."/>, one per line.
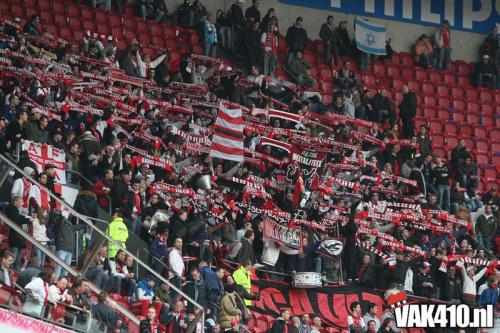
<point x="370" y="38"/>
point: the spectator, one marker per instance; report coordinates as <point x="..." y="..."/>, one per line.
<point x="16" y="241"/>
<point x="162" y="293"/>
<point x="470" y="279"/>
<point x="118" y="232"/>
<point x="106" y="3"/>
<point x="6" y="278"/>
<point x="490" y="46"/>
<point x="387" y="326"/>
<point x="281" y="324"/>
<point x="99" y="270"/>
<point x="296" y="39"/>
<point x="422" y="282"/>
<point x="453" y="287"/>
<point x="185" y="14"/>
<point x="424" y="142"/>
<point x="209" y="37"/>
<point x="38" y="293"/>
<point x="229" y="310"/>
<point x="196" y="289"/>
<point x="355" y="321"/>
<point x="424" y="52"/>
<point x="346" y="78"/>
<point x="371" y="315"/>
<point x="27" y="274"/>
<point x="159" y="248"/>
<point x="176" y="320"/>
<point x="467" y="173"/>
<point x="458" y="154"/>
<point x="252" y="13"/>
<point x="102" y="189"/>
<point x="329" y="38"/>
<point x="15" y="131"/>
<point x="122" y="281"/>
<point x="239" y="24"/>
<point x="81" y="300"/>
<point x="64" y="232"/>
<point x="252" y="44"/>
<point x="176" y="267"/>
<point x="150" y="324"/>
<point x="299" y="68"/>
<point x="443" y="44"/>
<point x="177" y="226"/>
<point x="407" y="112"/>
<point x="154" y="9"/>
<point x="10" y="110"/>
<point x="58" y="292"/>
<point x="40" y="233"/>
<point x="104" y="313"/>
<point x="33" y="124"/>
<point x="144" y="295"/>
<point x="486" y="228"/>
<point x="382" y="108"/>
<point x="441" y="175"/>
<point x="485" y="71"/>
<point x="31" y="27"/>
<point x="269" y="43"/>
<point x="490" y="295"/>
<point x="241" y="277"/>
<point x="86" y="202"/>
<point x="72" y="163"/>
<point x="342" y="36"/>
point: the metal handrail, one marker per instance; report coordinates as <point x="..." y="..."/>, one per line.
<point x="103" y="234"/>
<point x="65" y="266"/>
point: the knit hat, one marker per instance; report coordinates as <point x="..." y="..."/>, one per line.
<point x="28" y="171"/>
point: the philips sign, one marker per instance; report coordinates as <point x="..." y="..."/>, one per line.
<point x="469" y="15"/>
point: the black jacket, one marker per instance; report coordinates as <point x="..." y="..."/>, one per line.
<point x="246" y="252"/>
<point x="64" y="232"/>
<point x="327" y="34"/>
<point x="237" y="17"/>
<point x="106" y="315"/>
<point x="408" y="107"/>
<point x="420" y="290"/>
<point x="296" y="38"/>
<point x="15" y="239"/>
<point x="198" y="292"/>
<point x="145" y="327"/>
<point x="452" y="289"/>
<point x="119" y="194"/>
<point x="177" y="229"/>
<point x="86" y="204"/>
<point x="253" y="12"/>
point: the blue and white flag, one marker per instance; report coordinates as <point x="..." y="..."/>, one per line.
<point x="370" y="38"/>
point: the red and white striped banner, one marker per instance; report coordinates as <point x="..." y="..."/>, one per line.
<point x="227" y="140"/>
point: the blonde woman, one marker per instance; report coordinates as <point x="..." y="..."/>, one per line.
<point x="40" y="233"/>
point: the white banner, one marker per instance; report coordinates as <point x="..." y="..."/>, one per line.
<point x="370" y="38"/>
<point x="45" y="154"/>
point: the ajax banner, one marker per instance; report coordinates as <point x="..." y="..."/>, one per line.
<point x="477" y="16"/>
<point x="45" y="154"/>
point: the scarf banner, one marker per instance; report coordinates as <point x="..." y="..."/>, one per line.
<point x="45" y="154"/>
<point x="310" y="164"/>
<point x="285" y="236"/>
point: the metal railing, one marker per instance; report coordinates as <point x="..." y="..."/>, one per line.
<point x="103" y="234"/>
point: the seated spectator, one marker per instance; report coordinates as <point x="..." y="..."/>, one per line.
<point x="489" y="296"/>
<point x="99" y="270"/>
<point x="346" y="78"/>
<point x="38" y="293"/>
<point x="424" y="53"/>
<point x="150" y="324"/>
<point x="485" y="71"/>
<point x="144" y="295"/>
<point x="121" y="280"/>
<point x="355" y="321"/>
<point x="31" y="27"/>
<point x="371" y="316"/>
<point x="388" y="326"/>
<point x="6" y="278"/>
<point x="299" y="68"/>
<point x="27" y="274"/>
<point x="162" y="293"/>
<point x="104" y="313"/>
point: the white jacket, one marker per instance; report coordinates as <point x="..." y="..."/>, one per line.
<point x="270" y="253"/>
<point x="470" y="284"/>
<point x="55" y="294"/>
<point x="112" y="265"/>
<point x="40" y="232"/>
<point x="175" y="263"/>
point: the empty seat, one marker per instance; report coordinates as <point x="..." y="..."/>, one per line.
<point x="487" y="120"/>
<point x="435" y="77"/>
<point x="450" y="128"/>
<point x="398" y="84"/>
<point x="378" y="69"/>
<point x="458" y="117"/>
<point x="471" y="93"/>
<point x="444" y="102"/>
<point x="101" y="17"/>
<point x="458" y="105"/>
<point x="414" y="86"/>
<point x="427" y="88"/>
<point x="87" y="12"/>
<point x="481" y="158"/>
<point x="485" y="96"/>
<point x="481" y="145"/>
<point x="421" y="74"/>
<point x="442" y="90"/>
<point x="494" y="134"/>
<point x="449" y="78"/>
<point x="487" y="109"/>
<point x="490" y="172"/>
<point x="429" y="100"/>
<point x="443" y="114"/>
<point x="437" y="140"/>
<point x="472" y="118"/>
<point x="429" y="112"/>
<point x="451" y="142"/>
<point x="457" y="92"/>
<point x="407" y="73"/>
<point x="472" y="107"/>
<point x="369" y="79"/>
<point x="393" y="71"/>
<point x="435" y="126"/>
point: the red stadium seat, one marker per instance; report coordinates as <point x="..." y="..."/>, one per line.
<point x="429" y="100"/>
<point x="46" y="17"/>
<point x="74" y="23"/>
<point x="457" y="92"/>
<point x="480" y="145"/>
<point x="487" y="120"/>
<point x="51" y="29"/>
<point x="458" y="116"/>
<point x="407" y="73"/>
<point x="142" y="26"/>
<point x="449" y="78"/>
<point x="472" y="107"/>
<point x="28" y="3"/>
<point x="407" y="60"/>
<point x="487" y="109"/>
<point x="392" y="71"/>
<point x="103" y="29"/>
<point x="65" y="33"/>
<point x="435" y="126"/>
<point x="444" y="102"/>
<point x="326" y="74"/>
<point x="458" y="105"/>
<point x="29" y="12"/>
<point x="88" y="26"/>
<point x="87" y="12"/>
<point x="114" y="20"/>
<point x="60" y="9"/>
<point x="490" y="172"/>
<point x="485" y="95"/>
<point x="472" y="118"/>
<point x="495" y="147"/>
<point x="441" y="153"/>
<point x="397" y="84"/>
<point x="442" y="90"/>
<point x="429" y="112"/>
<point x="451" y="142"/>
<point x="72" y="10"/>
<point x="463" y="68"/>
<point x="427" y="88"/>
<point x="369" y="79"/>
<point x="471" y="93"/>
<point x="101" y="17"/>
<point x="128" y="23"/>
<point x="437" y="140"/>
<point x="378" y="69"/>
<point x="443" y="114"/>
<point x="450" y="128"/>
<point x="327" y="99"/>
<point x="481" y="159"/>
<point x="43" y="4"/>
<point x="414" y="86"/>
<point x="420" y="121"/>
<point x="17" y="10"/>
<point x="494" y="134"/>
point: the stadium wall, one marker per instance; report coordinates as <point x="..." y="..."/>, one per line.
<point x="465" y="44"/>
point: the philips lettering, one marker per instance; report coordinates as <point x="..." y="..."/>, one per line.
<point x="469" y="15"/>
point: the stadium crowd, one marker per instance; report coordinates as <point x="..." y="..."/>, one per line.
<point x="139" y="129"/>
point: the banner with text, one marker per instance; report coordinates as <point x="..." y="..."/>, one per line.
<point x="469" y="15"/>
<point x="289" y="237"/>
<point x="45" y="154"/>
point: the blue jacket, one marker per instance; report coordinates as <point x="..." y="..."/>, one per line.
<point x="488" y="297"/>
<point x="159" y="249"/>
<point x="210" y="279"/>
